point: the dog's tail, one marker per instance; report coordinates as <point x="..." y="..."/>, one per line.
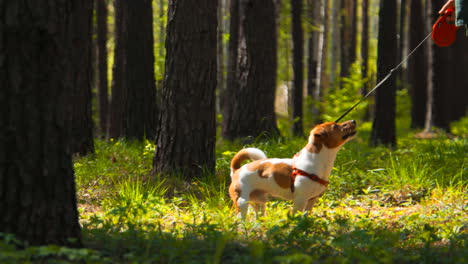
<point x="245" y="154"/>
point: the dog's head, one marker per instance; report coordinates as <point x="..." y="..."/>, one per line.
<point x="331" y="134"/>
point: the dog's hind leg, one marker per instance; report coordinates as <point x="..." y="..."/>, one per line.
<point x="259" y="209"/>
<point x="259" y="198"/>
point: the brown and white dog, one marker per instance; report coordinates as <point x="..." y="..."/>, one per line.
<point x="302" y="179"/>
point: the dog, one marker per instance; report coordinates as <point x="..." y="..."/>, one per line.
<point x="302" y="178"/>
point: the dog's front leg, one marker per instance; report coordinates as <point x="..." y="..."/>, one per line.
<point x="310" y="204"/>
<point x="299" y="204"/>
<point x="243" y="207"/>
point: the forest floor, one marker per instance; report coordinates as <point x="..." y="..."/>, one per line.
<point x="402" y="205"/>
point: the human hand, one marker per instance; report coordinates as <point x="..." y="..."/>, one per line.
<point x="448" y="5"/>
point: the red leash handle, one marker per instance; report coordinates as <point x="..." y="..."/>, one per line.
<point x="443" y="33"/>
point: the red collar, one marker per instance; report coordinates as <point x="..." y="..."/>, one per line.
<point x="313" y="177"/>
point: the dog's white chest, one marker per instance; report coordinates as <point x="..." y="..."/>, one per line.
<point x="320" y="164"/>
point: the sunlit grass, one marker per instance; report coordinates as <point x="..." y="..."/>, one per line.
<point x="404" y="205"/>
<point x="407" y="205"/>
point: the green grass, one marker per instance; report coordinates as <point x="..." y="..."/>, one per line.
<point x="408" y="205"/>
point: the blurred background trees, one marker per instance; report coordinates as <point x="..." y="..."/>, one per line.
<point x="291" y="64"/>
<point x="183" y="72"/>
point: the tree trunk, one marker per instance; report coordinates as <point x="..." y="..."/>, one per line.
<point x="418" y="64"/>
<point x="458" y="102"/>
<point x="80" y="115"/>
<point x="383" y="127"/>
<point x="401" y="42"/>
<point x="353" y="33"/>
<point x="103" y="84"/>
<point x="220" y="56"/>
<point x="231" y="81"/>
<point x="337" y="45"/>
<point x="314" y="13"/>
<point x="365" y="52"/>
<point x="252" y="113"/>
<point x="438" y="103"/>
<point x="322" y="77"/>
<point x="37" y="190"/>
<point x="187" y="123"/>
<point x="345" y="39"/>
<point x="140" y="113"/>
<point x="450" y="79"/>
<point x="298" y="68"/>
<point x="118" y="101"/>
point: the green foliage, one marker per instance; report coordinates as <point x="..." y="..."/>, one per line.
<point x="387" y="206"/>
<point x="460" y="127"/>
<point x="337" y="101"/>
<point x="284" y="72"/>
<point x="14" y="251"/>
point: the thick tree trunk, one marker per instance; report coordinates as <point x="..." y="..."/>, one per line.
<point x="37" y="190"/>
<point x="383" y="127"/>
<point x="418" y="64"/>
<point x="118" y="101"/>
<point x="438" y="103"/>
<point x="298" y="68"/>
<point x="252" y="113"/>
<point x="450" y="79"/>
<point x="187" y="122"/>
<point x="103" y="84"/>
<point x="139" y="83"/>
<point x="82" y="141"/>
<point x="458" y="102"/>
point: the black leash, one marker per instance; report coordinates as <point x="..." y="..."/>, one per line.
<point x="384" y="79"/>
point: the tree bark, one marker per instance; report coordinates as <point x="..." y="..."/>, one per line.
<point x="187" y="123"/>
<point x="365" y="52"/>
<point x="252" y="113"/>
<point x="402" y="38"/>
<point x="118" y="102"/>
<point x="37" y="190"/>
<point x="314" y="13"/>
<point x="103" y="84"/>
<point x="82" y="141"/>
<point x="298" y="68"/>
<point x="322" y="77"/>
<point x="353" y="33"/>
<point x="220" y="56"/>
<point x="383" y="127"/>
<point x="231" y="81"/>
<point x="337" y="46"/>
<point x="139" y="118"/>
<point x="345" y="39"/>
<point x="418" y="65"/>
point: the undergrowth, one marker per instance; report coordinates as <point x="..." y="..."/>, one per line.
<point x="407" y="205"/>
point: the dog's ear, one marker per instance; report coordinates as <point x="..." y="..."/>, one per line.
<point x="320" y="134"/>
